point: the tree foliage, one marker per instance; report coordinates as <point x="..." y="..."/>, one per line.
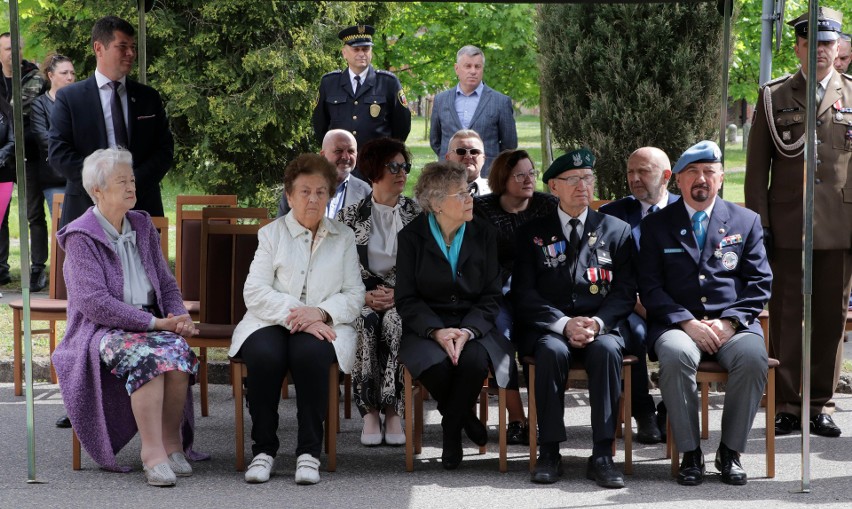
<point x="614" y="85"/>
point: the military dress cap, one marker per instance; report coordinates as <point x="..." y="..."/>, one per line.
<point x="574" y="160"/>
<point x="702" y="152"/>
<point x="358" y="35"/>
<point x="829" y="22"/>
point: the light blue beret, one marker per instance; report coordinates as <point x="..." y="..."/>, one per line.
<point x="702" y="152"/>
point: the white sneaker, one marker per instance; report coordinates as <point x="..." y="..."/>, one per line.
<point x="181" y="467"/>
<point x="260" y="469"/>
<point x="307" y="469"/>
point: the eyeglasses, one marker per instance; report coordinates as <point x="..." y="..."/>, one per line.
<point x="522" y="177"/>
<point x="461" y="195"/>
<point x="394" y="167"/>
<point x="574" y="180"/>
<point x="464" y="151"/>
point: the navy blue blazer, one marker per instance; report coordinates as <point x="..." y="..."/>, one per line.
<point x="629" y="210"/>
<point x="78" y="128"/>
<point x="543" y="291"/>
<point x="729" y="278"/>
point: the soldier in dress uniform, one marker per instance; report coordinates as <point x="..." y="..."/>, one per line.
<point x="365" y="101"/>
<point x="773" y="188"/>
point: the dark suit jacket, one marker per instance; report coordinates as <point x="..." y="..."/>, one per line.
<point x="493" y="120"/>
<point x="77" y="128"/>
<point x="427" y="297"/>
<point x="677" y="282"/>
<point x="356" y="190"/>
<point x="542" y="294"/>
<point x="629" y="210"/>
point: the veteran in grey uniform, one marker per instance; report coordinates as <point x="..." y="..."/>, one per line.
<point x="773" y="188"/>
<point x="365" y="101"/>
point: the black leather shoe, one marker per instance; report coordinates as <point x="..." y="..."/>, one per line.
<point x="548" y="469"/>
<point x="63" y="422"/>
<point x="5" y="279"/>
<point x="662" y="415"/>
<point x="603" y="471"/>
<point x="728" y="463"/>
<point x="823" y="425"/>
<point x="691" y="468"/>
<point x="647" y="431"/>
<point x="38" y="280"/>
<point x="475" y="430"/>
<point x="786" y="423"/>
<point x="517" y="433"/>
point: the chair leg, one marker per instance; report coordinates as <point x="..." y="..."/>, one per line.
<point x="75" y="451"/>
<point x="347" y="396"/>
<point x="501" y="432"/>
<point x="532" y="418"/>
<point x="239" y="432"/>
<point x="52" y="335"/>
<point x="409" y="421"/>
<point x="285" y="388"/>
<point x="202" y="377"/>
<point x="333" y="419"/>
<point x="770" y="424"/>
<point x="627" y="409"/>
<point x="18" y="342"/>
<point x="705" y="411"/>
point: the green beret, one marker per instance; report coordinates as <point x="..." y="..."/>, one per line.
<point x="574" y="160"/>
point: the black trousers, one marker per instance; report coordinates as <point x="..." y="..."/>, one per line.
<point x="270" y="353"/>
<point x="35" y="213"/>
<point x="456" y="388"/>
<point x="602" y="359"/>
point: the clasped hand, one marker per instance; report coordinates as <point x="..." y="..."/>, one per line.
<point x="380" y="299"/>
<point x="452" y="341"/>
<point x="181" y="324"/>
<point x="708" y="335"/>
<point x="581" y="331"/>
<point x="310" y="320"/>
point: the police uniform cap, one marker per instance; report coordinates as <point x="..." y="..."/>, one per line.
<point x="829" y="22"/>
<point x="357" y="35"/>
<point x="574" y="160"/>
<point x="702" y="152"/>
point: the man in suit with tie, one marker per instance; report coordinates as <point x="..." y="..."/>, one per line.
<point x="110" y="110"/>
<point x="340" y="149"/>
<point x="648" y="175"/>
<point x="572" y="286"/>
<point x="367" y="102"/>
<point x="473" y="105"/>
<point x="466" y="147"/>
<point x="704" y="280"/>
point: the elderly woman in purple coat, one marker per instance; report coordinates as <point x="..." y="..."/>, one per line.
<point x="124" y="364"/>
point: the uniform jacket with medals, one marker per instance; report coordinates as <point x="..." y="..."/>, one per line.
<point x="544" y="290"/>
<point x="775" y="163"/>
<point x="729" y="278"/>
<point x="379" y="109"/>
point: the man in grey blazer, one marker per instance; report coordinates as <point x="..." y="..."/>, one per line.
<point x="340" y="149"/>
<point x="473" y="105"/>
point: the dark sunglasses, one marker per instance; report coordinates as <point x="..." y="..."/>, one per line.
<point x="395" y="167"/>
<point x="472" y="151"/>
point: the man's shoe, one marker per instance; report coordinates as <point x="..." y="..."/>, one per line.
<point x="548" y="469"/>
<point x="662" y="415"/>
<point x="63" y="422"/>
<point x="603" y="471"/>
<point x="823" y="425"/>
<point x="517" y="433"/>
<point x="691" y="468"/>
<point x="786" y="423"/>
<point x="647" y="431"/>
<point x="475" y="430"/>
<point x="5" y="279"/>
<point x="728" y="463"/>
<point x="38" y="280"/>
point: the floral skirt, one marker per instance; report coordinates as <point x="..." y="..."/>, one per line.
<point x="139" y="357"/>
<point x="376" y="375"/>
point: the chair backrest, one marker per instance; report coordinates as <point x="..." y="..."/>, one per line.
<point x="57" y="255"/>
<point x="228" y="244"/>
<point x="188" y="239"/>
<point x="596" y="204"/>
<point x="162" y="225"/>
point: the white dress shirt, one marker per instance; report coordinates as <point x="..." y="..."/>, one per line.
<point x="105" y="92"/>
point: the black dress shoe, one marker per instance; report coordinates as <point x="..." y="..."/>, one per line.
<point x="786" y="423"/>
<point x="647" y="431"/>
<point x="823" y="425"/>
<point x="517" y="433"/>
<point x="475" y="430"/>
<point x="691" y="468"/>
<point x="662" y="415"/>
<point x="451" y="457"/>
<point x="63" y="422"/>
<point x="38" y="280"/>
<point x="603" y="471"/>
<point x="5" y="279"/>
<point x="548" y="469"/>
<point x="728" y="463"/>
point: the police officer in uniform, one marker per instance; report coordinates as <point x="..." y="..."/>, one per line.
<point x="367" y="102"/>
<point x="773" y="188"/>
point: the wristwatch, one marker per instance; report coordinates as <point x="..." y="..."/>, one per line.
<point x="735" y="323"/>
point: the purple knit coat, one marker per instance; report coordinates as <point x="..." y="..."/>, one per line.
<point x="96" y="400"/>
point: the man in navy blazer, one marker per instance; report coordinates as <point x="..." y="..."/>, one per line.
<point x="82" y="122"/>
<point x="473" y="105"/>
<point x="704" y="280"/>
<point x="572" y="285"/>
<point x="648" y="173"/>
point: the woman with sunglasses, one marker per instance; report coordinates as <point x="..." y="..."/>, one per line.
<point x="513" y="201"/>
<point x="376" y="221"/>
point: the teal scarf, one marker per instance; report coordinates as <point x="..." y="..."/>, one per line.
<point x="452" y="253"/>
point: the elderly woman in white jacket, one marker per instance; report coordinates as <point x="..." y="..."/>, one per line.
<point x="303" y="292"/>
